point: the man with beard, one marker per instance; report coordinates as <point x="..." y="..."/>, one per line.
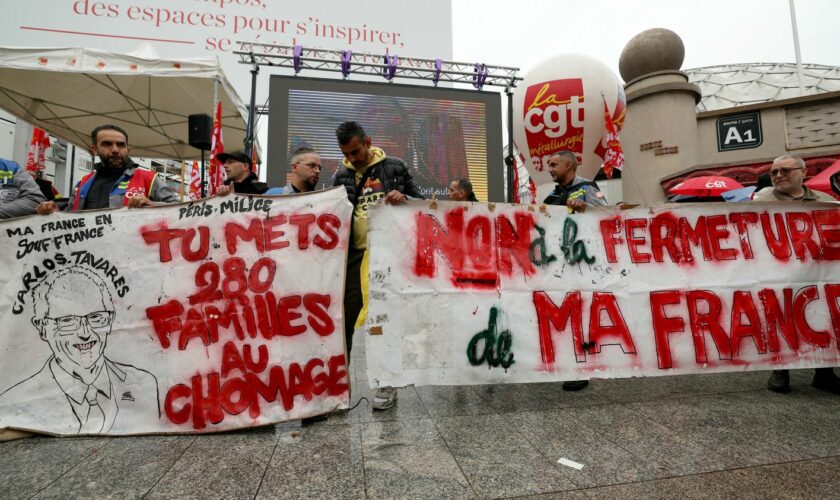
<point x="240" y="178"/>
<point x="306" y="170"/>
<point x="370" y="177"/>
<point x="576" y="193"/>
<point x="116" y="181"/>
<point x="78" y="390"/>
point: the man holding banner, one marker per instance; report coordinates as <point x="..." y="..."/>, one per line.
<point x="19" y="195"/>
<point x="116" y="181"/>
<point x="306" y="170"/>
<point x="787" y="175"/>
<point x="370" y="177"/>
<point x="576" y="193"/>
<point x="461" y="190"/>
<point x="241" y="178"/>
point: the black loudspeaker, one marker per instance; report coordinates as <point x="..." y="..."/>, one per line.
<point x="201" y="131"/>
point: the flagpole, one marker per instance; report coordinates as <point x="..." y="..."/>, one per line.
<point x="215" y="175"/>
<point x="215" y="94"/>
<point x="252" y="110"/>
<point x="796" y="47"/>
<point x="183" y="177"/>
<point x="211" y="178"/>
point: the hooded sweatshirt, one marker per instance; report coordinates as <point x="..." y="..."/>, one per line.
<point x="372" y="193"/>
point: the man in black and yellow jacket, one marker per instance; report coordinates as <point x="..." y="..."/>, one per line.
<point x="370" y="177"/>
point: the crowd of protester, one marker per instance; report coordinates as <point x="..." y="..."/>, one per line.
<point x="370" y="177"/>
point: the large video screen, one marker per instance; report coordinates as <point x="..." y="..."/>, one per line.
<point x="441" y="134"/>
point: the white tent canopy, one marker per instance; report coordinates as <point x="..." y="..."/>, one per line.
<point x="70" y="91"/>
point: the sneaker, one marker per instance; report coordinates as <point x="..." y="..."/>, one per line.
<point x="779" y="381"/>
<point x="384" y="398"/>
<point x="575" y="385"/>
<point x="826" y="380"/>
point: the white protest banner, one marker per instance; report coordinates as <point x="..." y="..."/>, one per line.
<point x="213" y="315"/>
<point x="480" y="294"/>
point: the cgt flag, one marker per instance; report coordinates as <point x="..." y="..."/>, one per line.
<point x="217" y="147"/>
<point x="254" y="161"/>
<point x="520" y="194"/>
<point x="613" y="154"/>
<point x="35" y="159"/>
<point x="195" y="181"/>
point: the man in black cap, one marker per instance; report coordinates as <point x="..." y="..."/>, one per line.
<point x="240" y="178"/>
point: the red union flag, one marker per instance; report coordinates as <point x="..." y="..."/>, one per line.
<point x="195" y="181"/>
<point x="35" y="159"/>
<point x="613" y="154"/>
<point x="617" y="122"/>
<point x="554" y="115"/>
<point x="255" y="165"/>
<point x="217" y="147"/>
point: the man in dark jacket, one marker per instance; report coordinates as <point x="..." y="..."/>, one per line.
<point x="461" y="190"/>
<point x="370" y="177"/>
<point x="571" y="190"/>
<point x="47" y="188"/>
<point x="116" y="181"/>
<point x="576" y="193"/>
<point x="240" y="178"/>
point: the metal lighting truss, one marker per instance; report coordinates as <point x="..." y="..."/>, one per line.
<point x="388" y="66"/>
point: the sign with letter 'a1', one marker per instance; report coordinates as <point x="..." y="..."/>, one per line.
<point x="741" y="131"/>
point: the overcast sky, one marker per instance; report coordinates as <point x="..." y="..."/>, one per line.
<point x="522" y="33"/>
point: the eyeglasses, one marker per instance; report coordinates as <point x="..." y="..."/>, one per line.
<point x="313" y="166"/>
<point x="783" y="171"/>
<point x="71" y="323"/>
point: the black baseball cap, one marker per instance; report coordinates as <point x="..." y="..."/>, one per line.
<point x="236" y="155"/>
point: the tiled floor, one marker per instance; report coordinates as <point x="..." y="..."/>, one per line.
<point x="711" y="436"/>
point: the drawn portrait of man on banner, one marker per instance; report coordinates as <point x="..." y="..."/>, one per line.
<point x="79" y="389"/>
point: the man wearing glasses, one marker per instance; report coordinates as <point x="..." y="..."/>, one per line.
<point x="306" y="170"/>
<point x="787" y="174"/>
<point x="79" y="390"/>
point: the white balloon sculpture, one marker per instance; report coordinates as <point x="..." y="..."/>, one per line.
<point x="560" y="105"/>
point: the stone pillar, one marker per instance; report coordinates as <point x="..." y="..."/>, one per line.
<point x="660" y="130"/>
